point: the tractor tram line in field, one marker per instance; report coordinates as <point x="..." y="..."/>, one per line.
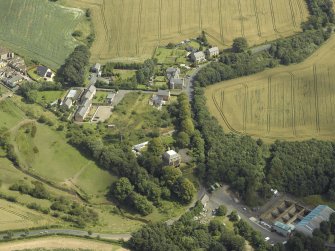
<point x="317" y="113"/>
<point x="259" y="32"/>
<point x="292" y="13"/>
<point x="268" y="120"/>
<point x="293" y="104"/>
<point x="241" y="17"/>
<point x="220" y="19"/>
<point x="273" y="17"/>
<point x="245" y="109"/>
<point x="223" y="116"/>
<point x="139" y="27"/>
<point x="180" y="17"/>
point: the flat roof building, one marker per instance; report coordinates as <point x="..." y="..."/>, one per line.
<point x="172" y="158"/>
<point x="283" y="229"/>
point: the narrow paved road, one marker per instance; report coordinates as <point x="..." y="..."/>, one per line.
<point x="223" y="196"/>
<point x="79" y="233"/>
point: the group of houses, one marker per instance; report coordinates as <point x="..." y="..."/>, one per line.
<point x="85" y="103"/>
<point x="12" y="68"/>
<point x="174" y="80"/>
<point x="82" y="98"/>
<point x="200" y="56"/>
<point x="162" y="97"/>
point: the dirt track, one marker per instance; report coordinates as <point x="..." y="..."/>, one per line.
<point x="59" y="242"/>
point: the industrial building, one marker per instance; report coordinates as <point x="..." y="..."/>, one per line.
<point x="283" y="229"/>
<point x="312" y="221"/>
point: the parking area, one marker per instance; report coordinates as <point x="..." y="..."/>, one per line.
<point x="222" y="196"/>
<point x="102" y="114"/>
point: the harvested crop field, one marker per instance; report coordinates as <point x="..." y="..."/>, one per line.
<point x="38" y="29"/>
<point x="294" y="102"/>
<point x="60" y="243"/>
<point x="14" y="216"/>
<point x="131" y="30"/>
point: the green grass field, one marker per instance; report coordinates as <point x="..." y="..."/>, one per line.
<point x="47" y="97"/>
<point x="59" y="162"/>
<point x="38" y="29"/>
<point x="170" y="56"/>
<point x="125" y="74"/>
<point x="135" y="118"/>
<point x="10" y="115"/>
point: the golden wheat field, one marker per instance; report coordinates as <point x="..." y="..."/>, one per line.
<point x="131" y="30"/>
<point x="293" y="102"/>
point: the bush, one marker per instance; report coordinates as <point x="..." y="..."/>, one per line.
<point x="222" y="210"/>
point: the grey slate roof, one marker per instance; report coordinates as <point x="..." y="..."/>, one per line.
<point x="313" y="219"/>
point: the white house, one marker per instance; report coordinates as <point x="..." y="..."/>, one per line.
<point x="213" y="52"/>
<point x="198" y="57"/>
<point x="172" y="158"/>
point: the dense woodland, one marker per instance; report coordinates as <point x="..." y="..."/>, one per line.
<point x="74" y="71"/>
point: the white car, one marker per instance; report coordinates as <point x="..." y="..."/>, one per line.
<point x="267" y="238"/>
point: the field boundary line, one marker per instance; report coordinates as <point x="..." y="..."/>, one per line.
<point x="268" y="126"/>
<point x="293" y="103"/>
<point x="223" y="116"/>
<point x="259" y="32"/>
<point x="273" y="17"/>
<point x="241" y="17"/>
<point x="317" y="115"/>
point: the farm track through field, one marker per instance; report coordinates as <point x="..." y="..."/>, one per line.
<point x="268" y="119"/>
<point x="292" y="13"/>
<point x="139" y="28"/>
<point x="241" y="17"/>
<point x="223" y="116"/>
<point x="273" y="17"/>
<point x="245" y="109"/>
<point x="293" y="104"/>
<point x="317" y="114"/>
<point x="259" y="32"/>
